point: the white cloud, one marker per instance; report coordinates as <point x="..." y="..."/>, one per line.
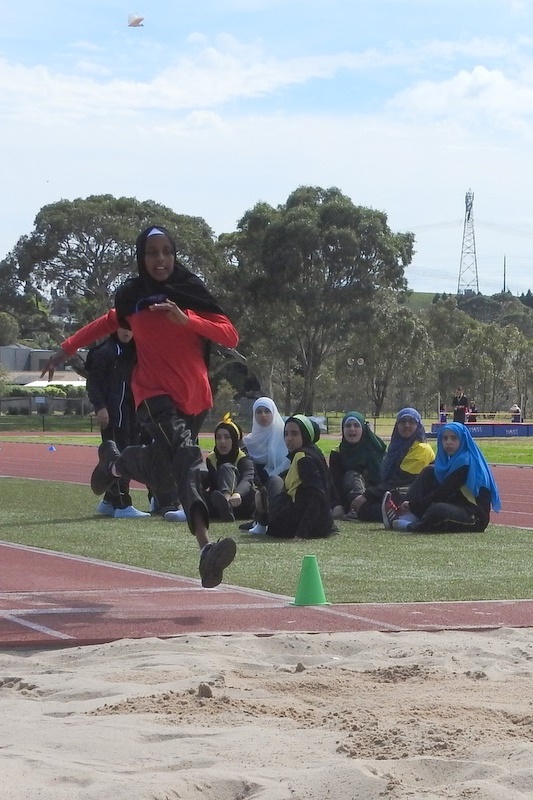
<point x="212" y="122"/>
<point x="477" y="96"/>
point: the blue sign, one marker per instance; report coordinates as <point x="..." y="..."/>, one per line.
<point x="493" y="429"/>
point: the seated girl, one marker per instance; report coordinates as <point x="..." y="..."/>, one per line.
<point x="407" y="455"/>
<point x="266" y="444"/>
<point x="355" y="464"/>
<point x="266" y="447"/>
<point x="229" y="492"/>
<point x="454" y="495"/>
<point x="299" y="505"/>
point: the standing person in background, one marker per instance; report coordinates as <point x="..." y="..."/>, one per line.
<point x="460" y="405"/>
<point x="108" y="369"/>
<point x="174" y="318"/>
<point x="516" y="413"/>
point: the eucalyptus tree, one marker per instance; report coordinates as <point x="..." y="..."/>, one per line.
<point x="491" y="351"/>
<point x="24" y="303"/>
<point x="306" y="271"/>
<point x="9" y="329"/>
<point x="395" y="354"/>
<point x="521" y="362"/>
<point x="451" y="331"/>
<point x="84" y="248"/>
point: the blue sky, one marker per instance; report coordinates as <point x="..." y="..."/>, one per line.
<point x="212" y="106"/>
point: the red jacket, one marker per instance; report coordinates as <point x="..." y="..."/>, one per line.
<point x="170" y="356"/>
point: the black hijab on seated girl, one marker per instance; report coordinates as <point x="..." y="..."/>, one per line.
<point x="303" y="507"/>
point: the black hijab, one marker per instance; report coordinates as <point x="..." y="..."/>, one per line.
<point x="183" y="287"/>
<point x="235" y="433"/>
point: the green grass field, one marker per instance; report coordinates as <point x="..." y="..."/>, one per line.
<point x="365" y="563"/>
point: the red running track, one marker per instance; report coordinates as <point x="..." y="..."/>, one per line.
<point x="54" y="599"/>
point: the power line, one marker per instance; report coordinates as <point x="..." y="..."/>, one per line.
<point x="494" y="226"/>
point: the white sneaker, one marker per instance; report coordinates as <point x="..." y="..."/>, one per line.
<point x="175" y="516"/>
<point x="401" y="525"/>
<point x="106" y="508"/>
<point x="258" y="529"/>
<point x="130" y="512"/>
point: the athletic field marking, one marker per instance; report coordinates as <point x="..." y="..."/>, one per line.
<point x="14" y="616"/>
<point x="39" y="628"/>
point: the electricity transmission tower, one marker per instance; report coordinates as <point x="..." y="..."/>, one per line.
<point x="468" y="278"/>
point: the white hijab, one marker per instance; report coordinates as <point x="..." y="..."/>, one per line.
<point x="266" y="444"/>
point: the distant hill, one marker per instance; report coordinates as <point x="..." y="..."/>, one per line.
<point x="419" y="301"/>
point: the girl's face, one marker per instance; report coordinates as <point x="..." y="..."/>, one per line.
<point x="406" y="427"/>
<point x="263" y="416"/>
<point x="352" y="431"/>
<point x="293" y="437"/>
<point x="159" y="257"/>
<point x="450" y="442"/>
<point x="223" y="442"/>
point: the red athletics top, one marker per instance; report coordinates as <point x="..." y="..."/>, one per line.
<point x="170" y="356"/>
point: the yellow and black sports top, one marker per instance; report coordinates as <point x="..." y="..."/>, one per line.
<point x="419" y="455"/>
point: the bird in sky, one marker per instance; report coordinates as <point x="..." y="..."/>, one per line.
<point x="135" y="21"/>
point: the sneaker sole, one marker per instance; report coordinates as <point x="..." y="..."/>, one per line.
<point x="219" y="557"/>
<point x="386" y="521"/>
<point x="174" y="516"/>
<point x="101" y="480"/>
<point x="110" y="512"/>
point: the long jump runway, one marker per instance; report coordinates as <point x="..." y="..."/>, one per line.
<point x="58" y="599"/>
<point x="55" y="599"/>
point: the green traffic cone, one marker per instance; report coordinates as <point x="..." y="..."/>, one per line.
<point x="310" y="591"/>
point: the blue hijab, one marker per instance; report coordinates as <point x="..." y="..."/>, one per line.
<point x="468" y="454"/>
<point x="398" y="446"/>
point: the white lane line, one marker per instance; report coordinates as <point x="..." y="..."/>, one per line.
<point x="103" y="590"/>
<point x="15" y="616"/>
<point x="332" y="611"/>
<point x="27" y="612"/>
<point x="25" y="623"/>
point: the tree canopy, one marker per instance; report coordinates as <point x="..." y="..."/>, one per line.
<point x="310" y="284"/>
<point x="309" y="268"/>
<point x="83" y="249"/>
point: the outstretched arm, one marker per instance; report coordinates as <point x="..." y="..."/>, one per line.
<point x="55" y="361"/>
<point x="103" y="326"/>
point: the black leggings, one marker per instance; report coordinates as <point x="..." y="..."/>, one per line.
<point x="119" y="493"/>
<point x="172" y="458"/>
<point x="442" y="517"/>
<point x="227" y="480"/>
